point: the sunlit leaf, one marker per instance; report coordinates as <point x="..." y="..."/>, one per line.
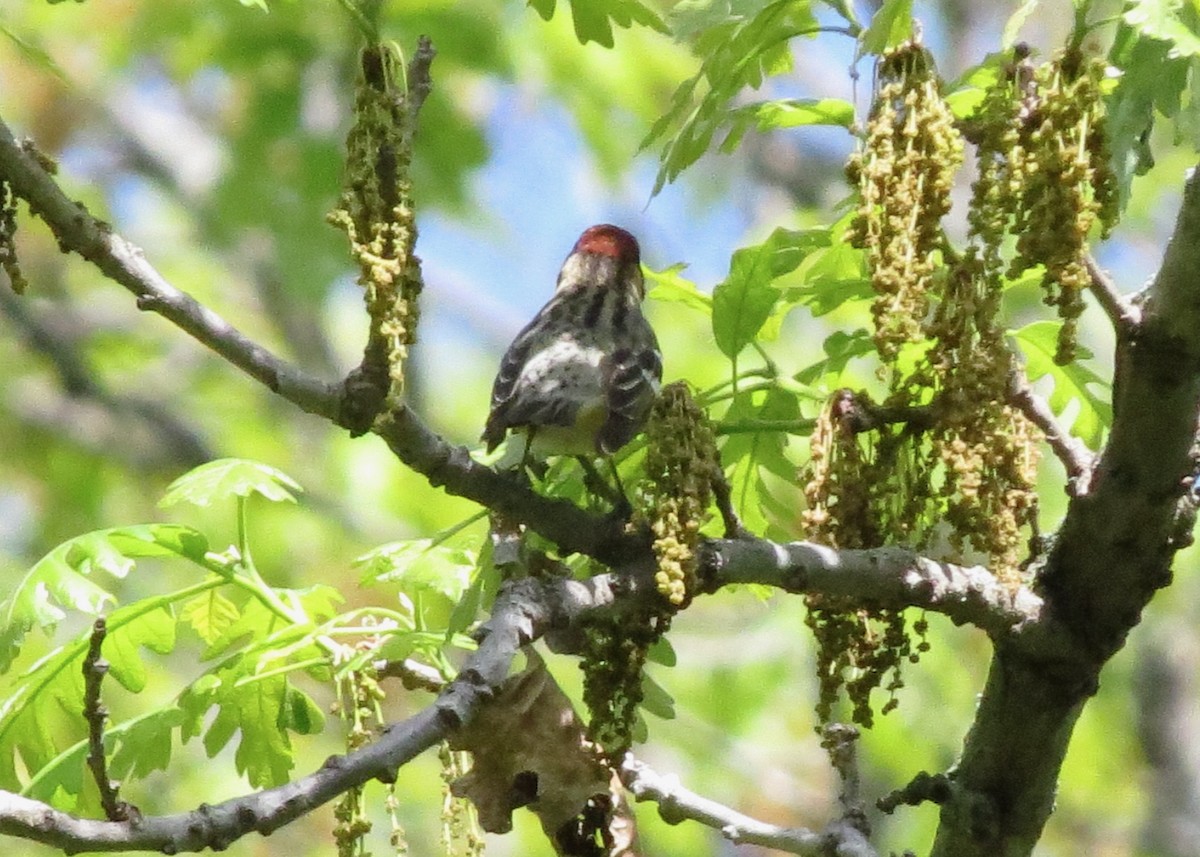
<point x="744" y="301"/>
<point x="786" y="113"/>
<point x="669" y="287"/>
<point x="420" y="565"/>
<point x="67" y="578"/>
<point x="230" y="477"/>
<point x="210" y="615"/>
<point x="1072" y="383"/>
<point x="890" y="26"/>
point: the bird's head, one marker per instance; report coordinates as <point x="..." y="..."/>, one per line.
<point x="606" y="256"/>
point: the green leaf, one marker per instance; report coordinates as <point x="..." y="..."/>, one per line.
<point x="64" y="579"/>
<point x="420" y="565"/>
<point x="743" y="302"/>
<point x="41" y="716"/>
<point x="840" y="348"/>
<point x="151" y="629"/>
<point x="786" y="113"/>
<point x="1169" y="21"/>
<point x="143" y="745"/>
<point x="967" y="93"/>
<point x="1072" y="383"/>
<point x="656" y="700"/>
<point x="669" y="287"/>
<point x="230" y="477"/>
<point x="662" y="652"/>
<point x="891" y="25"/>
<point x="544" y="8"/>
<point x="593" y="19"/>
<point x="300" y="714"/>
<point x="741" y="46"/>
<point x="1015" y="21"/>
<point x="261" y="711"/>
<point x="748" y="455"/>
<point x="210" y="615"/>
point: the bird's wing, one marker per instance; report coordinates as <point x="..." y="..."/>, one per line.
<point x="504" y="387"/>
<point x="632" y="376"/>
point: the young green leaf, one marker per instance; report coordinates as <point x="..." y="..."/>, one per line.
<point x="230" y="477"/>
<point x="840" y="348"/>
<point x="891" y="25"/>
<point x="656" y="700"/>
<point x="786" y="113"/>
<point x="420" y="565"/>
<point x="744" y="301"/>
<point x="669" y="287"/>
<point x="210" y="614"/>
<point x="1072" y="383"/>
<point x="65" y="579"/>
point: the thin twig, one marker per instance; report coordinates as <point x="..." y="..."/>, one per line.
<point x="95" y="668"/>
<point x="924" y="787"/>
<point x="1074" y="455"/>
<point x="676" y="803"/>
<point x="413" y="674"/>
<point x="839" y="740"/>
<point x="1123" y="315"/>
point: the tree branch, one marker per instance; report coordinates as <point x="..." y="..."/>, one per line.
<point x="676" y="804"/>
<point x="1124" y="316"/>
<point x="888" y="577"/>
<point x="1072" y="452"/>
<point x="76" y="229"/>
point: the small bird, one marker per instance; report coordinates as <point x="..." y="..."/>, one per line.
<point x="580" y="378"/>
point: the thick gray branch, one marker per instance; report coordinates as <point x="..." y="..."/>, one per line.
<point x="886" y="577"/>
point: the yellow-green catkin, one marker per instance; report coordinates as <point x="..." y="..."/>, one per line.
<point x="1045" y="176"/>
<point x="359" y="696"/>
<point x="681" y="464"/>
<point x="850" y="487"/>
<point x="376" y="212"/>
<point x="461" y="833"/>
<point x="904" y="170"/>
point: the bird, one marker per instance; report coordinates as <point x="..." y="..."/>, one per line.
<point x="581" y="377"/>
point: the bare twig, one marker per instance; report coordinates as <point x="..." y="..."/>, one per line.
<point x="924" y="787"/>
<point x="95" y="668"/>
<point x="413" y="674"/>
<point x="676" y="803"/>
<point x="1074" y="455"/>
<point x="420" y="84"/>
<point x="723" y="498"/>
<point x="839" y="740"/>
<point x="1123" y="315"/>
